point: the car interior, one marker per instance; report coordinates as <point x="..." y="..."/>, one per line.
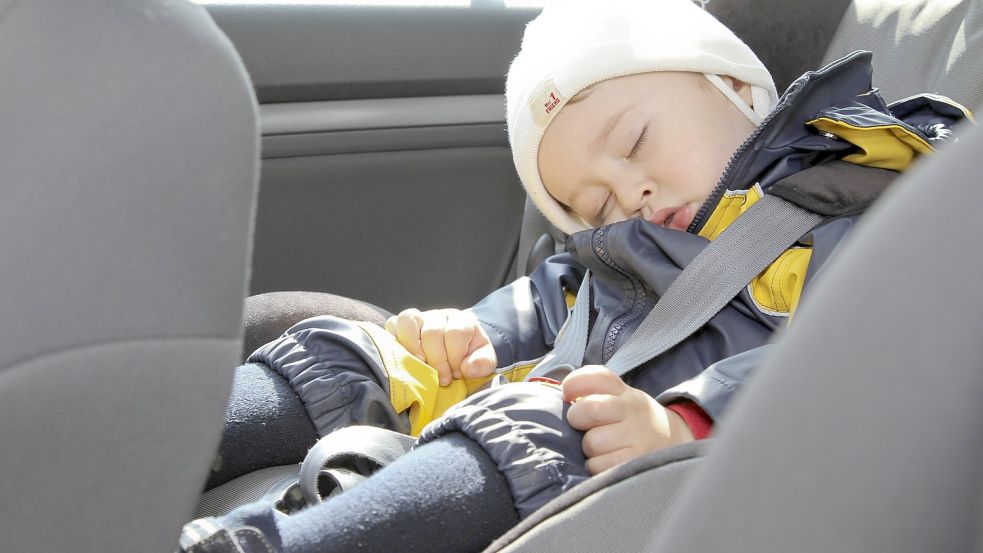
<point x="179" y="175"/>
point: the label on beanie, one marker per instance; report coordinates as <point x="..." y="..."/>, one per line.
<point x="545" y="103"/>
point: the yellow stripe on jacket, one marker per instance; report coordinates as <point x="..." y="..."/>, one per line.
<point x="777" y="290"/>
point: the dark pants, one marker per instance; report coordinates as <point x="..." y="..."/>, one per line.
<point x="447" y="495"/>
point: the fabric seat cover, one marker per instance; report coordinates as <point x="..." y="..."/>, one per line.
<point x="129" y="151"/>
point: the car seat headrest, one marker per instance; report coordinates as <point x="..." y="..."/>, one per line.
<point x="919" y="46"/>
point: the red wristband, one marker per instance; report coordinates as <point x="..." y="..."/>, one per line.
<point x="699" y="423"/>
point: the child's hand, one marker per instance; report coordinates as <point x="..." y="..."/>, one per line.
<point x="449" y="340"/>
<point x="620" y="422"/>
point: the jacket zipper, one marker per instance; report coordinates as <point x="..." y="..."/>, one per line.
<point x="640" y="296"/>
<point x="732" y="165"/>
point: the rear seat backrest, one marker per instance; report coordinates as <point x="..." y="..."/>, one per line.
<point x="129" y="148"/>
<point x="919" y="46"/>
<point x="863" y="431"/>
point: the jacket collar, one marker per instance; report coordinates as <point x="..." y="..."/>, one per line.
<point x="783" y="144"/>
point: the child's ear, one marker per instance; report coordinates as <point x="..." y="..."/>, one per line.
<point x="741" y="88"/>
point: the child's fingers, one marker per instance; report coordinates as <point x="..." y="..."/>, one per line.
<point x="596" y="410"/>
<point x="592" y="379"/>
<point x="432" y="342"/>
<point x="481" y="362"/>
<point x="458" y="333"/>
<point x="604" y="439"/>
<point x="596" y="465"/>
<point x="408" y="325"/>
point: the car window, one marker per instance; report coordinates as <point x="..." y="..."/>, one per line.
<point x="407" y="3"/>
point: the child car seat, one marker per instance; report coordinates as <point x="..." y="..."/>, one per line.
<point x="862" y="431"/>
<point x="947" y="40"/>
<point x="129" y="149"/>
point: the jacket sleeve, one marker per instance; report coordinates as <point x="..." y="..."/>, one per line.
<point x="523" y="318"/>
<point x="713" y="388"/>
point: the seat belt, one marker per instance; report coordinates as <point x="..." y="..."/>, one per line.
<point x="571" y="341"/>
<point x="714" y="277"/>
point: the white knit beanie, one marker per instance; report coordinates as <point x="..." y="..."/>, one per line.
<point x="574" y="44"/>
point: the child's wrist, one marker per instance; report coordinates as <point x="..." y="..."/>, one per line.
<point x="698" y="425"/>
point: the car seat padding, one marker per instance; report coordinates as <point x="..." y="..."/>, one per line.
<point x="588" y="514"/>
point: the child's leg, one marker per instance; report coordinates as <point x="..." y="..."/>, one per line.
<point x="265" y="425"/>
<point x="492" y="459"/>
<point x="446" y="496"/>
<point x="324" y="374"/>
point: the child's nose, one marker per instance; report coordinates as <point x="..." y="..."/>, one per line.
<point x="643" y="204"/>
<point x="632" y="192"/>
<point x="647" y="190"/>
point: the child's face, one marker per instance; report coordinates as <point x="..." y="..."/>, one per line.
<point x="651" y="145"/>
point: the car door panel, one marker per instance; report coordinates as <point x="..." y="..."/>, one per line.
<point x="386" y="170"/>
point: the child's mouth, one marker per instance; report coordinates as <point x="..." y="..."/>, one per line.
<point x="677" y="218"/>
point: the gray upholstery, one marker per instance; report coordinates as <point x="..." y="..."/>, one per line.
<point x="788" y="37"/>
<point x="864" y="431"/>
<point x="919" y="46"/>
<point x="129" y="150"/>
<point x="538" y="239"/>
<point x="599" y="514"/>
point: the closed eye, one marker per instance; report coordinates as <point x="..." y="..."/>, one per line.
<point x="638" y="143"/>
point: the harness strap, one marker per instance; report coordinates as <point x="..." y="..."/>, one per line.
<point x="571" y="341"/>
